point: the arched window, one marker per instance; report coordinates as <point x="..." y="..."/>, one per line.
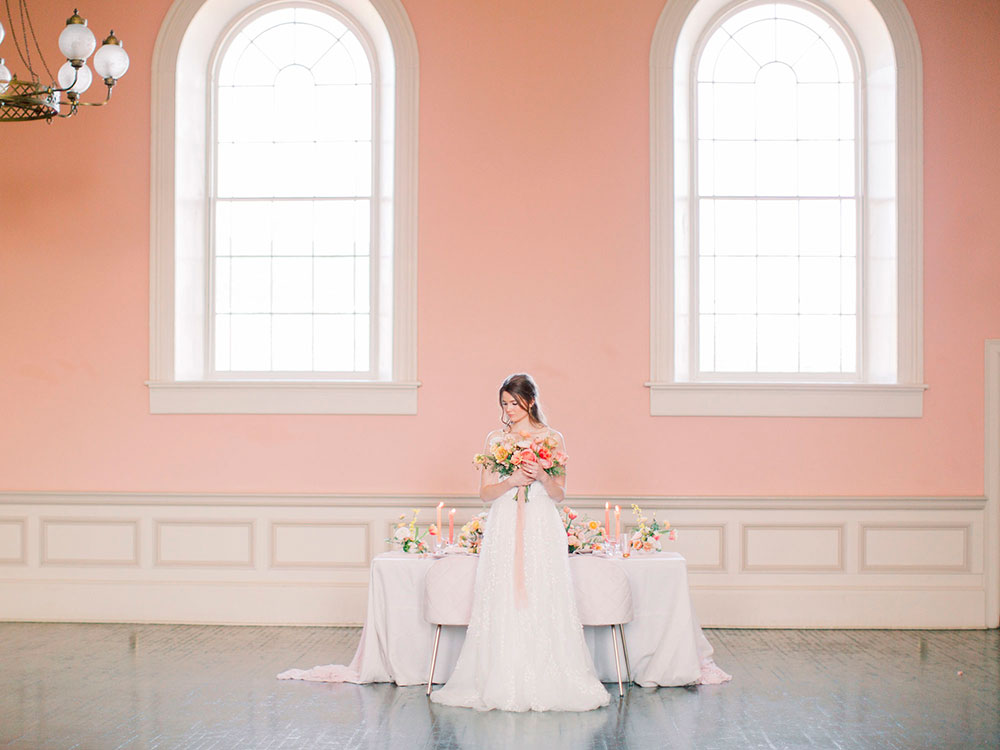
<point x="284" y="179"/>
<point x="786" y="204"/>
<point x="292" y="198"/>
<point x="777" y="197"/>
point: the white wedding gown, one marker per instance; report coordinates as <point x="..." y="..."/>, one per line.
<point x="524" y="653"/>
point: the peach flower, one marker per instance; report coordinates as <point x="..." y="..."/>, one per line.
<point x="525" y="456"/>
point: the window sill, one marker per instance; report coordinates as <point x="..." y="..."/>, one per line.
<point x="785" y="400"/>
<point x="306" y="397"/>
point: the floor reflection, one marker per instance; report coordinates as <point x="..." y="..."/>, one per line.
<point x="121" y="686"/>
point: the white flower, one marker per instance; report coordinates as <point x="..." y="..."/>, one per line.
<point x="401" y="533"/>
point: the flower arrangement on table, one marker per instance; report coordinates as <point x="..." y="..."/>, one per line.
<point x="582" y="534"/>
<point x="509" y="451"/>
<point x="647" y="536"/>
<point x="470" y="537"/>
<point x="408" y="535"/>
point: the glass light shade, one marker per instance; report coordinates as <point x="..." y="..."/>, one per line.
<point x="4" y="76"/>
<point x="83" y="79"/>
<point x="76" y="41"/>
<point x="111" y="61"/>
<point x="2" y="32"/>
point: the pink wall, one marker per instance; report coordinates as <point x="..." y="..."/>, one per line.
<point x="534" y="196"/>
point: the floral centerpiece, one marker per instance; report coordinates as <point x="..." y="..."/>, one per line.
<point x="582" y="534"/>
<point x="471" y="536"/>
<point x="407" y="536"/>
<point x="647" y="536"/>
<point x="508" y="451"/>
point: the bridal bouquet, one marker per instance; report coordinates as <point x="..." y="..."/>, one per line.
<point x="407" y="535"/>
<point x="646" y="537"/>
<point x="582" y="534"/>
<point x="471" y="535"/>
<point x="509" y="451"/>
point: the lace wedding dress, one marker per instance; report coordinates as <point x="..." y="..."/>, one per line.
<point x="524" y="649"/>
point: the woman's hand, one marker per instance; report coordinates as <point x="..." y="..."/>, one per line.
<point x="520" y="477"/>
<point x="534" y="471"/>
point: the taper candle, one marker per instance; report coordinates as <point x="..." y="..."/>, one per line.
<point x="451" y="526"/>
<point x="618" y="524"/>
<point x="440" y="506"/>
<point x="607" y="521"/>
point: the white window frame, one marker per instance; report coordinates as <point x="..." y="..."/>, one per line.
<point x="181" y="156"/>
<point x="891" y="385"/>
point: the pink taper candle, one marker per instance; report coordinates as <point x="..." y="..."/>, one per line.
<point x="440" y="506"/>
<point x="451" y="526"/>
<point x="618" y="524"/>
<point x="607" y="521"/>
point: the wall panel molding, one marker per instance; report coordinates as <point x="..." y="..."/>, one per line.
<point x="13" y="541"/>
<point x="308" y="535"/>
<point x="921" y="535"/>
<point x="799" y="542"/>
<point x="197" y="538"/>
<point x="303" y="559"/>
<point x="89" y="533"/>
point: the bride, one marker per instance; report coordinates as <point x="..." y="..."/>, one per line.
<point x="524" y="649"/>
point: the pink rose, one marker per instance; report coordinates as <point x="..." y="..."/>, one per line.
<point x="560" y="457"/>
<point x="525" y="455"/>
<point x="545" y="463"/>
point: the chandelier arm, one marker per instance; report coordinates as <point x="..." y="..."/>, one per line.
<point x="76" y="75"/>
<point x="98" y="104"/>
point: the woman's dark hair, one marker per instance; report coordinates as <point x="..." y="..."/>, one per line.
<point x="522" y="387"/>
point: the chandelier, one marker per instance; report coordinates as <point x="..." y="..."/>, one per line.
<point x="28" y="98"/>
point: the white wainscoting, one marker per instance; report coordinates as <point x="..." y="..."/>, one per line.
<point x="782" y="562"/>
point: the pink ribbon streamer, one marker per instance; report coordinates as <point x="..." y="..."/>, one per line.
<point x="520" y="591"/>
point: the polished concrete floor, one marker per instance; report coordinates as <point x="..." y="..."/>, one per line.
<point x="213" y="688"/>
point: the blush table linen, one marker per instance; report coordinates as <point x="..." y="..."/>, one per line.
<point x="666" y="645"/>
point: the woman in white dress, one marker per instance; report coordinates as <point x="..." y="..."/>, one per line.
<point x="524" y="649"/>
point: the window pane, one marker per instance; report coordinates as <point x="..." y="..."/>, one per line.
<point x="292" y="227"/>
<point x="735" y="343"/>
<point x="334" y="284"/>
<point x="776" y="162"/>
<point x="735" y="227"/>
<point x="251" y="285"/>
<point x="706" y="284"/>
<point x="292" y="342"/>
<point x="819" y="286"/>
<point x="776" y="93"/>
<point x="250" y="347"/>
<point x="292" y="285"/>
<point x="706" y="341"/>
<point x="777" y="285"/>
<point x="819" y="227"/>
<point x="735" y="167"/>
<point x="362" y="327"/>
<point x="818" y="111"/>
<point x="777" y="228"/>
<point x="732" y="102"/>
<point x="791" y="40"/>
<point x="333" y="342"/>
<point x="777" y="343"/>
<point x="735" y="285"/>
<point x="819" y="343"/>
